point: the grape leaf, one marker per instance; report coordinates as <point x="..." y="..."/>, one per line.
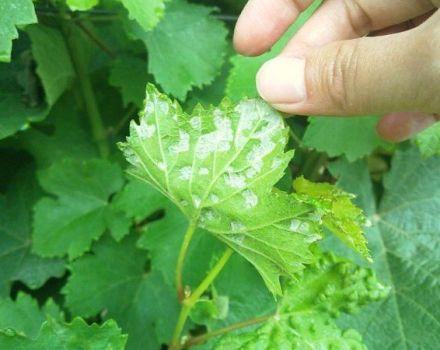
<point x="338" y="212"/>
<point x="70" y="336"/>
<point x="13" y="13"/>
<point x="22" y="315"/>
<point x="14" y="113"/>
<point x="405" y="246"/>
<point x="124" y="291"/>
<point x="241" y="81"/>
<point x="219" y="167"/>
<point x="81" y="5"/>
<point x="353" y="137"/>
<point x="429" y="141"/>
<point x="306" y="313"/>
<point x="54" y="66"/>
<point x="69" y="138"/>
<point x="18" y="263"/>
<point x="130" y="75"/>
<point x="146" y="13"/>
<point x="177" y="66"/>
<point x="77" y="217"/>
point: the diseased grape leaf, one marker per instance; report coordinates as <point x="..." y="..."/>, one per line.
<point x="305" y="317"/>
<point x="81" y="5"/>
<point x="54" y="66"/>
<point x="429" y="141"/>
<point x="146" y="13"/>
<point x="405" y="246"/>
<point x="219" y="166"/>
<point x="130" y="75"/>
<point x="241" y="81"/>
<point x="177" y="66"/>
<point x="13" y="13"/>
<point x="142" y="304"/>
<point x="354" y="137"/>
<point x="77" y="217"/>
<point x="17" y="263"/>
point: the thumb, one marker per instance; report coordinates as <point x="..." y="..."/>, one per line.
<point x="367" y="75"/>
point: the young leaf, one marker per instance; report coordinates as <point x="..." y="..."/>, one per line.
<point x="146" y="13"/>
<point x="114" y="280"/>
<point x="16" y="259"/>
<point x="406" y="249"/>
<point x="337" y="210"/>
<point x="219" y="167"/>
<point x="352" y="137"/>
<point x="81" y="5"/>
<point x="177" y="66"/>
<point x="70" y="223"/>
<point x="306" y="314"/>
<point x="429" y="141"/>
<point x="13" y="13"/>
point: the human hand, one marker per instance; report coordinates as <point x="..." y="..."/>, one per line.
<point x="329" y="67"/>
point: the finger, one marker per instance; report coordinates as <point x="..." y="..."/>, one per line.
<point x="403" y="26"/>
<point x="262" y="22"/>
<point x="339" y="20"/>
<point x="401" y="126"/>
<point x="367" y="75"/>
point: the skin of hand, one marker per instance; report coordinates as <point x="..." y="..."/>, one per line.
<point x="352" y="57"/>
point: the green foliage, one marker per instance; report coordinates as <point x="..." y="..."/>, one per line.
<point x="429" y="141"/>
<point x="219" y="166"/>
<point x="177" y="66"/>
<point x="14" y="13"/>
<point x="353" y="137"/>
<point x="305" y="316"/>
<point x="69" y="224"/>
<point x="90" y="259"/>
<point x="404" y="243"/>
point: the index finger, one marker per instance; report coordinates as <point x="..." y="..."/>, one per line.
<point x="262" y="22"/>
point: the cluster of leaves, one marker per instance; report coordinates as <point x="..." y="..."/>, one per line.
<point x="88" y="256"/>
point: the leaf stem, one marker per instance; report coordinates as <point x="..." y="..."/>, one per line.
<point x="97" y="125"/>
<point x="95" y="39"/>
<point x="204" y="337"/>
<point x="181" y="259"/>
<point x="189" y="302"/>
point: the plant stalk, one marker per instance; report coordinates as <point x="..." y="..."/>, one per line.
<point x="181" y="259"/>
<point x="204" y="337"/>
<point x="189" y="302"/>
<point x="91" y="104"/>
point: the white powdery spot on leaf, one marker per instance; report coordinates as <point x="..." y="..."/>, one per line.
<point x="185" y="173"/>
<point x="196" y="201"/>
<point x="237" y="226"/>
<point x="276" y="163"/>
<point x="144" y="130"/>
<point x="162" y="166"/>
<point x="207" y="215"/>
<point x="182" y="145"/>
<point x="218" y="140"/>
<point x="203" y="171"/>
<point x="196" y="123"/>
<point x="213" y="198"/>
<point x="235" y="180"/>
<point x="250" y="198"/>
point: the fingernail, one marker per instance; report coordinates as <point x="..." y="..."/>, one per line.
<point x="281" y="80"/>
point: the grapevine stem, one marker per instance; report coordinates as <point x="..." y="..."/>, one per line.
<point x="181" y="259"/>
<point x="189" y="302"/>
<point x="98" y="130"/>
<point x="204" y="337"/>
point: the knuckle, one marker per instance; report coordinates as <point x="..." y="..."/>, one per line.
<point x="340" y="76"/>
